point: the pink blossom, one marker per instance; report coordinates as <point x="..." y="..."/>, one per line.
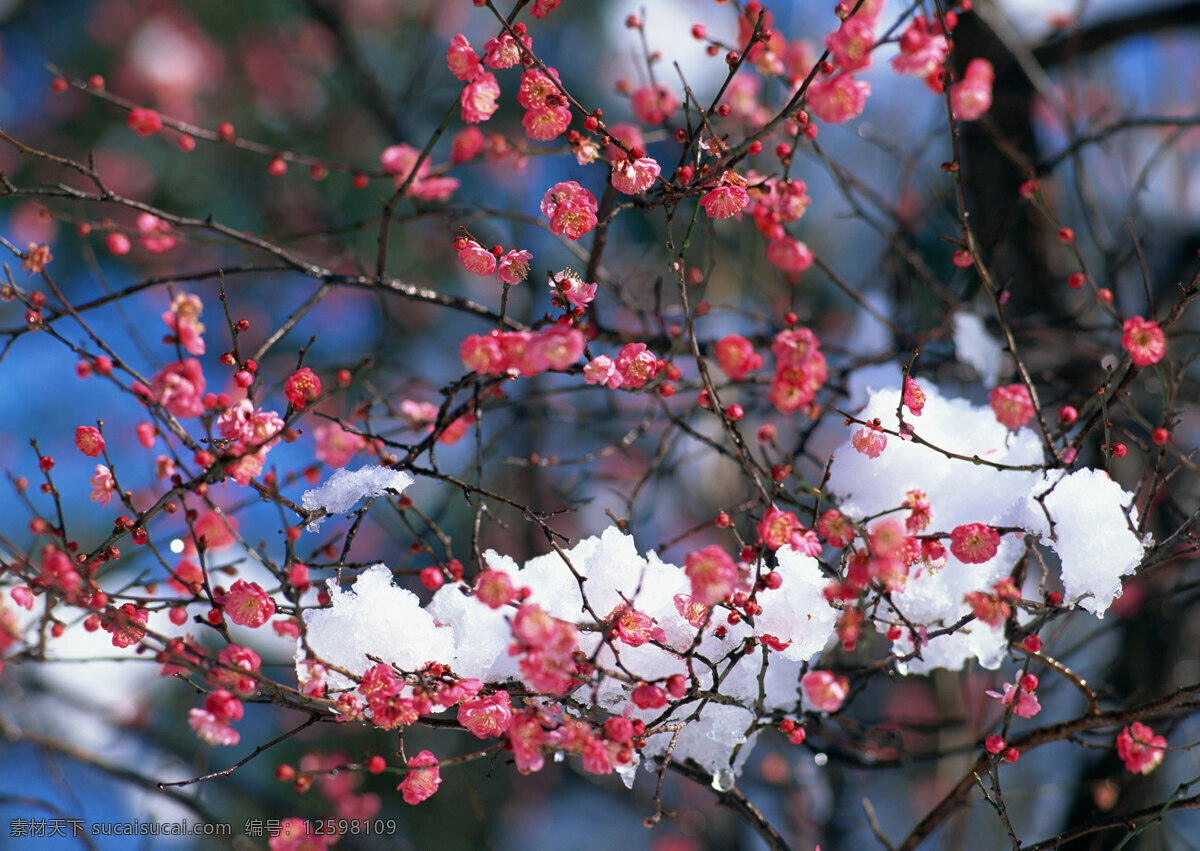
<point x="243" y="659"/>
<point x="212" y="729"/>
<point x="922" y="52"/>
<point x="971" y="97"/>
<point x="248" y="604"/>
<point x="125" y="624"/>
<point x="503" y="52"/>
<point x="482" y="353"/>
<point x="806" y="542"/>
<point x="475" y="258"/>
<point x="653" y="104"/>
<point x="420" y="415"/>
<point x="539" y="91"/>
<point x="89" y="441"/>
<point x="144" y="122"/>
<point x="541" y="8"/>
<point x="525" y="736"/>
<point x="837" y="99"/>
<point x="824" y="691"/>
<point x="736" y="356"/>
<point x="629" y="135"/>
<point x="632" y="627"/>
<point x="183" y="319"/>
<point x="461" y="59"/>
<point x="974" y="543"/>
<point x="835" y="528"/>
<point x="487" y="717"/>
<point x="994" y="608"/>
<point x="224" y="705"/>
<point x="725" y="201"/>
<point x="596" y="758"/>
<point x="921" y="513"/>
<point x="156" y="234"/>
<point x="712" y="573"/>
<point x="570" y="208"/>
<point x="466" y="145"/>
<point x="869" y="442"/>
<point x="691" y="609"/>
<point x="297" y="834"/>
<point x="1012" y="405"/>
<point x="1144" y="340"/>
<point x="335" y="445"/>
<point x="514" y="267"/>
<point x="776" y="527"/>
<point x="573" y="288"/>
<point x="789" y="255"/>
<point x="478" y="99"/>
<point x="851" y="44"/>
<point x="546" y="123"/>
<point x="602" y="370"/>
<point x="303" y="386"/>
<point x="633" y="177"/>
<point x="217" y="530"/>
<point x="494" y="588"/>
<point x="1140" y="749"/>
<point x="400" y="160"/>
<point x="636" y="365"/>
<point x="1026" y="705"/>
<point x="423" y="778"/>
<point x="179" y="388"/>
<point x="914" y="397"/>
<point x="559" y="347"/>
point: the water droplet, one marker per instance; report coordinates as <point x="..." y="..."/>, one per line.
<point x="821" y="759"/>
<point x="558" y="756"/>
<point x="723" y="780"/>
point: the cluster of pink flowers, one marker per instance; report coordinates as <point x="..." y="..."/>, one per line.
<point x="779" y="527"/>
<point x="1140" y="749"/>
<point x="183" y="318"/>
<point x="635" y="365"/>
<point x="400" y="160"/>
<point x="777" y="202"/>
<point x="179" y="388"/>
<point x="971" y="97"/>
<point x="994" y="608"/>
<point x="512" y="266"/>
<point x="923" y="49"/>
<point x="547" y="648"/>
<point x="728" y="198"/>
<point x="547" y="115"/>
<point x="635" y="174"/>
<point x="736" y="356"/>
<point x="155" y="236"/>
<point x="212" y="722"/>
<point x="572" y="289"/>
<point x="800" y="371"/>
<point x="524" y="353"/>
<point x="126" y="624"/>
<point x="570" y="208"/>
<point x="236" y="665"/>
<point x="1020" y="696"/>
<point x="251" y="433"/>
